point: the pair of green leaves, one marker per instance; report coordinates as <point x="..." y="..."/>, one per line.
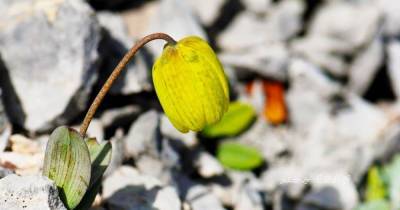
<point x="231" y="154"/>
<point x="76" y="165"/>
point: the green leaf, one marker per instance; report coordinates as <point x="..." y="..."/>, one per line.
<point x="374" y="205"/>
<point x="100" y="155"/>
<point x="237" y="156"/>
<point x="67" y="163"/>
<point x="236" y="120"/>
<point x="375" y="185"/>
<point x="392" y="175"/>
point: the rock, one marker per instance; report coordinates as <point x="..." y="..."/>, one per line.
<point x="269" y="61"/>
<point x="175" y="18"/>
<point x="393" y="51"/>
<point x="309" y="94"/>
<point x="120" y="116"/>
<point x="168" y="130"/>
<point x="337" y="19"/>
<point x="250" y="29"/>
<point x="285" y="20"/>
<point x="390" y="10"/>
<point x="257" y="6"/>
<point x="126" y="189"/>
<point x="243" y="32"/>
<point x="138" y="19"/>
<point x="237" y="189"/>
<point x="115" y="43"/>
<point x="332" y="191"/>
<point x="365" y="66"/>
<point x="207" y="10"/>
<point x="248" y="198"/>
<point x="142" y="135"/>
<point x="199" y="198"/>
<point x="167" y="199"/>
<point x="59" y="41"/>
<point x="117" y="154"/>
<point x="22" y="164"/>
<point x="336" y="32"/>
<point x="96" y="129"/>
<point x="22" y="145"/>
<point x="207" y="165"/>
<point x="4" y="172"/>
<point x="30" y="193"/>
<point x="5" y="126"/>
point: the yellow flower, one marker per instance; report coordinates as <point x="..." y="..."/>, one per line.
<point x="191" y="84"/>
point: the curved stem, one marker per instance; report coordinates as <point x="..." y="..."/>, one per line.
<point x="116" y="72"/>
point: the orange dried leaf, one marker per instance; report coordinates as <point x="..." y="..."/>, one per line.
<point x="275" y="108"/>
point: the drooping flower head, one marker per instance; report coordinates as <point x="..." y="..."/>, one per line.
<point x="191" y="84"/>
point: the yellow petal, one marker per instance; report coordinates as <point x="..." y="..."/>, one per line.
<point x="191" y="85"/>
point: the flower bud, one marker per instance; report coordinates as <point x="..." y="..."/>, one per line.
<point x="191" y="84"/>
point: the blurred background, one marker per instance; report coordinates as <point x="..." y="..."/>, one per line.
<point x="314" y="122"/>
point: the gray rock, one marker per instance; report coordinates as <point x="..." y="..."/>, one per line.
<point x="390" y="10"/>
<point x="141" y="137"/>
<point x="250" y="29"/>
<point x="267" y="60"/>
<point x="117" y="156"/>
<point x="127" y="189"/>
<point x="176" y="18"/>
<point x="336" y="32"/>
<point x="4" y="172"/>
<point x="365" y="66"/>
<point x="248" y="198"/>
<point x="309" y="94"/>
<point x="200" y="198"/>
<point x="393" y="51"/>
<point x="334" y="151"/>
<point x="169" y="131"/>
<point x="257" y="6"/>
<point x="29" y="192"/>
<point x="49" y="49"/>
<point x="207" y="10"/>
<point x="207" y="165"/>
<point x="5" y="126"/>
<point x="115" y="43"/>
<point x="120" y="116"/>
<point x="246" y="30"/>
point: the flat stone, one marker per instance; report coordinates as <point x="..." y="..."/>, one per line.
<point x="48" y="82"/>
<point x="29" y="193"/>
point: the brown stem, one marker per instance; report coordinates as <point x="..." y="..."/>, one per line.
<point x="114" y="75"/>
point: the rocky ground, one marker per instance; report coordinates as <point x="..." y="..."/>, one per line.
<point x="335" y="63"/>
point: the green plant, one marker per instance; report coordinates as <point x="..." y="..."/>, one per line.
<point x="193" y="91"/>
